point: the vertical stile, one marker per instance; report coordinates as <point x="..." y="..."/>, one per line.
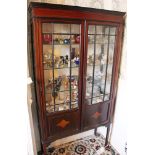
<point x="70" y="70"/>
<point x="106" y="64"/>
<point x="94" y="63"/>
<point x="53" y="61"/>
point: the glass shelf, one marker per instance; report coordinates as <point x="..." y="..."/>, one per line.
<point x="76" y="67"/>
<point x="104" y="34"/>
<point x="61" y="91"/>
<point x="61" y="44"/>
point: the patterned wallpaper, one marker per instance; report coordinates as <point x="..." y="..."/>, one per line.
<point x="117" y="5"/>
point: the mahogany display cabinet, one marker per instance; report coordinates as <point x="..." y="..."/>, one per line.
<point x="76" y="61"/>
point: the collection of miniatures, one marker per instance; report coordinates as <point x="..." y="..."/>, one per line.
<point x="47" y="39"/>
<point x="62" y="83"/>
<point x="59" y="87"/>
<point x="62" y="61"/>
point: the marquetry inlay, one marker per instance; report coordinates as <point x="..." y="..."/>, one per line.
<point x="63" y="123"/>
<point x="96" y="115"/>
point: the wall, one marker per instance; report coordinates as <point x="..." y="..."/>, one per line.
<point x="118" y="135"/>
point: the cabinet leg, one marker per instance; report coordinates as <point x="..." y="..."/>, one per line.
<point x="95" y="132"/>
<point x="44" y="149"/>
<point x="107" y="144"/>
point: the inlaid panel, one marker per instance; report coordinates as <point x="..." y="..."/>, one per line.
<point x="61" y="124"/>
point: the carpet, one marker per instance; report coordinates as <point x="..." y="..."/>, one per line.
<point x="90" y="145"/>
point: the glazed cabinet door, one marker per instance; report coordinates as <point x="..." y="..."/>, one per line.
<point x="98" y="73"/>
<point x="61" y="49"/>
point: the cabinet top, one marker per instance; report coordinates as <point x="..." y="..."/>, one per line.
<point x="69" y="7"/>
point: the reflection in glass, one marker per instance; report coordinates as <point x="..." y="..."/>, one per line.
<point x="61" y="28"/>
<point x="101" y="42"/>
<point x="91" y="29"/>
<point x="113" y="31"/>
<point x="47" y="27"/>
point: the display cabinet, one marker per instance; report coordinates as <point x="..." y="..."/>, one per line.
<point x="76" y="60"/>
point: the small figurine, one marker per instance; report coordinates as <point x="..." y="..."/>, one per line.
<point x="89" y="79"/>
<point x="61" y="41"/>
<point x="54" y="94"/>
<point x="67" y="99"/>
<point x="66" y="41"/>
<point x="72" y="39"/>
<point x="47" y="38"/>
<point x="56" y="41"/>
<point x="50" y="84"/>
<point x="65" y="82"/>
<point x="62" y="61"/>
<point x="74" y="95"/>
<point x="66" y="59"/>
<point x="90" y="60"/>
<point x="56" y="61"/>
<point x="77" y="60"/>
<point x="73" y="53"/>
<point x="77" y="38"/>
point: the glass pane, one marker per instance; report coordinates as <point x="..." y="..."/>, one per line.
<point x="47" y="27"/>
<point x="99" y="72"/>
<point x="75" y="64"/>
<point x="91" y="29"/>
<point x="48" y="80"/>
<point x="99" y="39"/>
<point x="109" y="72"/>
<point x="112" y="39"/>
<point x="99" y="30"/>
<point x="49" y="103"/>
<point x="61" y="28"/>
<point x="89" y="74"/>
<point x="47" y="56"/>
<point x="75" y="28"/>
<point x="101" y="42"/>
<point x="113" y="31"/>
<point x="61" y="60"/>
<point x="47" y="30"/>
<point x="91" y="39"/>
<point x="106" y="30"/>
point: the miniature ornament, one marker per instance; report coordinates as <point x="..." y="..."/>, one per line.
<point x="66" y="41"/>
<point x="73" y="53"/>
<point x="61" y="41"/>
<point x="72" y="39"/>
<point x="47" y="38"/>
<point x="66" y="59"/>
<point x="77" y="38"/>
<point x="56" y="41"/>
<point x="90" y="60"/>
<point x="77" y="60"/>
